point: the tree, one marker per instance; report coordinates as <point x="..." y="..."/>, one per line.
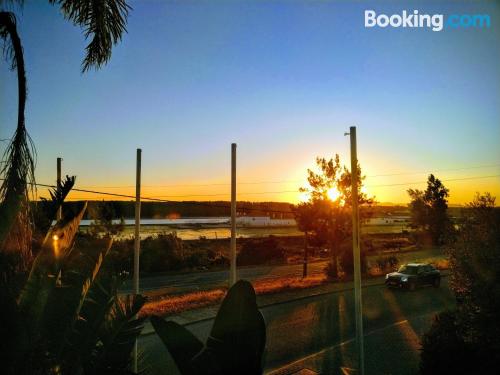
<point x="305" y="216"/>
<point x="429" y="210"/>
<point x="18" y="169"/>
<point x="327" y="214"/>
<point x="104" y="22"/>
<point x="467" y="340"/>
<point x="104" y="216"/>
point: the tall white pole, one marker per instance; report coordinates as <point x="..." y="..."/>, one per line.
<point x="232" y="255"/>
<point x="59" y="180"/>
<point x="358" y="309"/>
<point x="137" y="240"/>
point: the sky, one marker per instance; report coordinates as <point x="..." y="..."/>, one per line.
<point x="283" y="79"/>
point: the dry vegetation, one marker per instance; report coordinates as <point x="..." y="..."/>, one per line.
<point x="169" y="305"/>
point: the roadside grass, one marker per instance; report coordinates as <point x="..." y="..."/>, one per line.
<point x="282" y="284"/>
<point x="170" y="305"/>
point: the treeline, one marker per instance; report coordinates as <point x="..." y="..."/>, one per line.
<point x="164" y="210"/>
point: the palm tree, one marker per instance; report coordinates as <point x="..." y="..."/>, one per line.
<point x="19" y="165"/>
<point x="104" y="23"/>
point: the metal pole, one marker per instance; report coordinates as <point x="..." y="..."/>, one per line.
<point x="232" y="255"/>
<point x="59" y="210"/>
<point x="356" y="252"/>
<point x="137" y="241"/>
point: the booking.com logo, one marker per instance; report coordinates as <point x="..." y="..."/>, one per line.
<point x="435" y="22"/>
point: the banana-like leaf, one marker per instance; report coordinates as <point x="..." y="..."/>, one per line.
<point x="45" y="270"/>
<point x="118" y="336"/>
<point x="238" y="337"/>
<point x="236" y="343"/>
<point x="78" y="272"/>
<point x="96" y="307"/>
<point x="180" y="342"/>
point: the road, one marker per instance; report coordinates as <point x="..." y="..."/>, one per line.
<point x="317" y="332"/>
<point x="195" y="281"/>
<point x="203" y="280"/>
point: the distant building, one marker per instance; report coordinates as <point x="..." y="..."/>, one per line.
<point x="263" y="221"/>
<point x="388" y="220"/>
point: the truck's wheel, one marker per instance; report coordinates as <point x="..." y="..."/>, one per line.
<point x="437" y="282"/>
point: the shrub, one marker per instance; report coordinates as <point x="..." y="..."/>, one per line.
<point x="165" y="252"/>
<point x="347" y="261"/>
<point x="443" y="350"/>
<point x="331" y="271"/>
<point x="260" y="251"/>
<point x="387" y="264"/>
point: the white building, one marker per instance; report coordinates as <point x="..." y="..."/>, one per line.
<point x="263" y="221"/>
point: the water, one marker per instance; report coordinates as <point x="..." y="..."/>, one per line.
<point x="196" y="228"/>
<point x="218" y="227"/>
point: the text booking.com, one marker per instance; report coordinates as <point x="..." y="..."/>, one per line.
<point x="435" y="22"/>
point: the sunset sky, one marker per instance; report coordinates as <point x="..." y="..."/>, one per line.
<point x="283" y="79"/>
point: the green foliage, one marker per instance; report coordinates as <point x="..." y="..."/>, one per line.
<point x="347" y="260"/>
<point x="260" y="251"/>
<point x="47" y="209"/>
<point x="326" y="217"/>
<point x="468" y="340"/>
<point x="103" y="22"/>
<point x="475" y="262"/>
<point x="444" y="350"/>
<point x="104" y="215"/>
<point x="18" y="169"/>
<point x="388" y="263"/>
<point x="236" y="342"/>
<point x="164" y="252"/>
<point x="68" y="318"/>
<point x="429" y="210"/>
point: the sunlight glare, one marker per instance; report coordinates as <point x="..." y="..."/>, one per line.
<point x="333" y="194"/>
<point x="304" y="196"/>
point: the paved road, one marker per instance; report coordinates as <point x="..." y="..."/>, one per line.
<point x="189" y="282"/>
<point x="317" y="332"/>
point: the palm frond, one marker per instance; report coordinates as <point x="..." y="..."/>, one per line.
<point x="47" y="208"/>
<point x="96" y="307"/>
<point x="78" y="272"/>
<point x="46" y="267"/>
<point x="18" y="168"/>
<point x="103" y="21"/>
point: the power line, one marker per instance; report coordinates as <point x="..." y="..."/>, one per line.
<point x="437" y="170"/>
<point x="223" y="194"/>
<point x="294" y="181"/>
<point x="207" y="204"/>
<point x="446" y="180"/>
<point x="159" y="198"/>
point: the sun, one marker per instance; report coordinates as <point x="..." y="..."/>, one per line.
<point x="333" y="194"/>
<point x="304" y="196"/>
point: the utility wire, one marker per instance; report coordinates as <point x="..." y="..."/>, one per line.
<point x="293" y="181"/>
<point x="154" y="199"/>
<point x="158" y="198"/>
<point x="445" y="180"/>
<point x="207" y="204"/>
